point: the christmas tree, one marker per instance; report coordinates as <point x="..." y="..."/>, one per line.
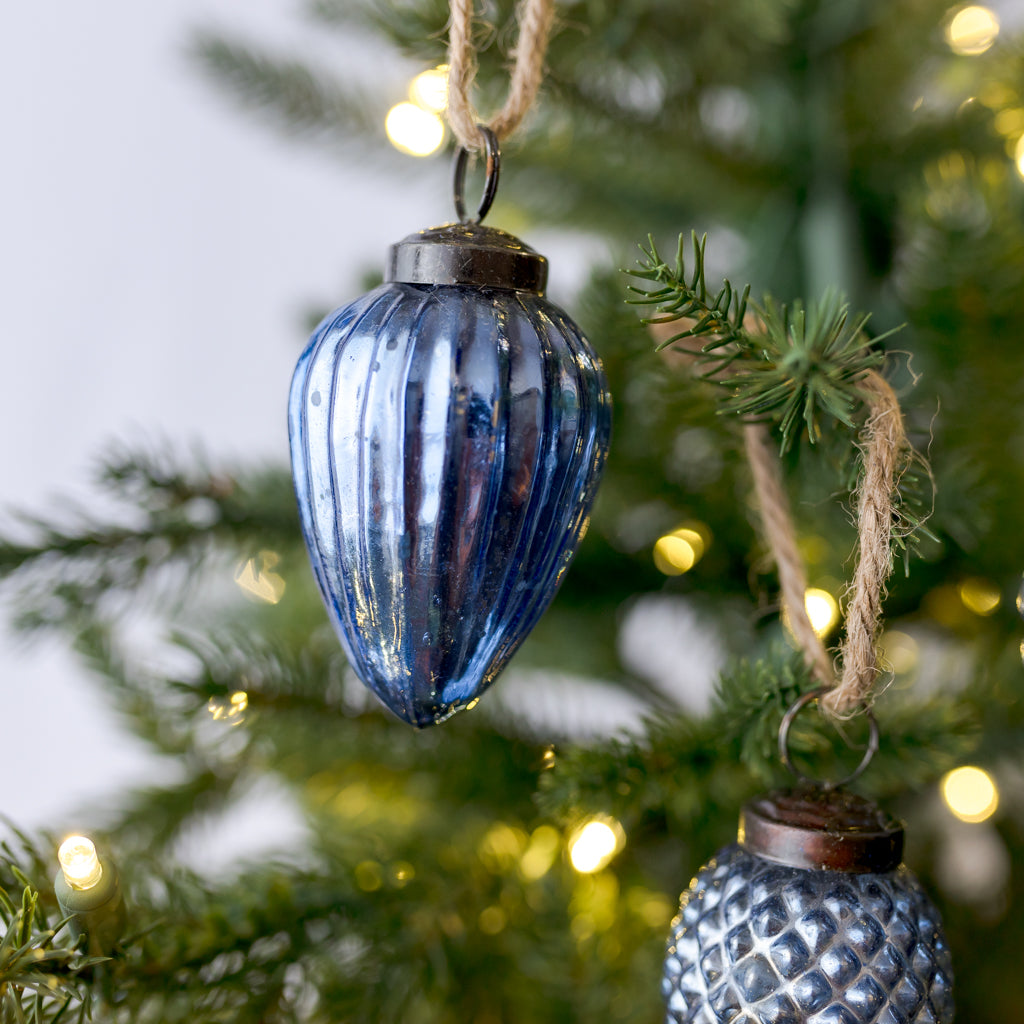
<point x="522" y="862"/>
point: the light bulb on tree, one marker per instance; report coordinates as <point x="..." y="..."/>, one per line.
<point x="88" y="892"/>
<point x="79" y="862"/>
<point x="594" y="844"/>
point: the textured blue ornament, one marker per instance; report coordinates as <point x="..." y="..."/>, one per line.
<point x="759" y="941"/>
<point x="448" y="431"/>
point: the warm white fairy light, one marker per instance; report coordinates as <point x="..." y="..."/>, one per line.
<point x="414" y="130"/>
<point x="79" y="862"/>
<point x="256" y="577"/>
<point x="679" y="551"/>
<point x="594" y="844"/>
<point x="429" y="89"/>
<point x="970" y="793"/>
<point x="230" y="710"/>
<point x="972" y="30"/>
<point x="822" y="609"/>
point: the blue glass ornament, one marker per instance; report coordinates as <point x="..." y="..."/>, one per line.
<point x="448" y="431"/>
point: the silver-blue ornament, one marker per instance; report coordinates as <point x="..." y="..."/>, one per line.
<point x="809" y="919"/>
<point x="448" y="431"/>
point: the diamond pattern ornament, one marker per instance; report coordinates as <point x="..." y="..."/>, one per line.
<point x="448" y="431"/>
<point x="809" y="919"/>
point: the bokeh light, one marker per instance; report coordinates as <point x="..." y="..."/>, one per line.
<point x="822" y="609"/>
<point x="492" y="920"/>
<point x="970" y="793"/>
<point x="1009" y="122"/>
<point x="368" y="875"/>
<point x="429" y="89"/>
<point x="679" y="551"/>
<point x="257" y="579"/>
<point x="539" y="855"/>
<point x="414" y="130"/>
<point x="594" y="844"/>
<point x="1018" y="156"/>
<point x="899" y="651"/>
<point x="980" y="596"/>
<point x="231" y="710"/>
<point x="972" y="30"/>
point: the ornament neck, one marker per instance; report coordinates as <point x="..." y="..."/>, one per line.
<point x="467" y="254"/>
<point x="822" y="830"/>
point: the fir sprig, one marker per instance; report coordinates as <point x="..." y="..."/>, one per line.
<point x="39" y="975"/>
<point x="677" y="298"/>
<point x="788" y="363"/>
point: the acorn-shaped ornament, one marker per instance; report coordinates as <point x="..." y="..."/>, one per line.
<point x="448" y="431"/>
<point x="809" y="918"/>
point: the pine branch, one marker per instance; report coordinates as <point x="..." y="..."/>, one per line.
<point x="173" y="520"/>
<point x="689" y="771"/>
<point x="791" y="364"/>
<point x="721" y="317"/>
<point x="302" y="100"/>
<point x="41" y="979"/>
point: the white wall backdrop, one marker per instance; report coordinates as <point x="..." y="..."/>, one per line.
<point x="158" y="250"/>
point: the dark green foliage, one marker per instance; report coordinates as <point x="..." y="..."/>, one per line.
<point x="434" y="885"/>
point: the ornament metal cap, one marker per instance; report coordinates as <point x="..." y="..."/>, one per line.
<point x="822" y="830"/>
<point x="469" y="254"/>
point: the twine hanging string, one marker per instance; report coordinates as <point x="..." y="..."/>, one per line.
<point x="535" y="19"/>
<point x="778" y="530"/>
<point x="885" y="448"/>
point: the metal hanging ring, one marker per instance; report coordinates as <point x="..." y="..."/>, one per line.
<point x="490" y="183"/>
<point x="787" y="720"/>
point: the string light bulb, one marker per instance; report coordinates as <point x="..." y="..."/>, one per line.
<point x="822" y="609"/>
<point x="88" y="893"/>
<point x="594" y="844"/>
<point x="429" y="89"/>
<point x="79" y="862"/>
<point x="414" y="130"/>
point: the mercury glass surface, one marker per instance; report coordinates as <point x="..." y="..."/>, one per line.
<point x="446" y="446"/>
<point x="762" y="943"/>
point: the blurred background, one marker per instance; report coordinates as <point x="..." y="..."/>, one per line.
<point x="189" y="186"/>
<point x="161" y="254"/>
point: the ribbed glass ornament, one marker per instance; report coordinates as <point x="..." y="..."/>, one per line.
<point x="447" y="441"/>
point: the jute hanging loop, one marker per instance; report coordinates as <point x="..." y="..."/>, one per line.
<point x="535" y="18"/>
<point x="885" y="449"/>
<point x="778" y="530"/>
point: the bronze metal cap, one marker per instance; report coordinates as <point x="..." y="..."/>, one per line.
<point x="467" y="254"/>
<point x="822" y="830"/>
